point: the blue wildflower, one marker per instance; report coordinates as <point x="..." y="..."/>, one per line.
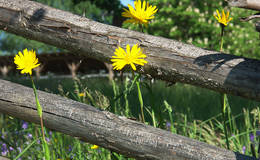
<point x="70" y="148"/>
<point x="25" y="125"/>
<point x="168" y="125"/>
<point x="243" y="149"/>
<point x="252" y="137"/>
<point x="4" y="149"/>
<point x="29" y="135"/>
<point x="11" y="148"/>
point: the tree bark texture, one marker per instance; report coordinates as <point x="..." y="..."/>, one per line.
<point x="117" y="133"/>
<point x="168" y="59"/>
<point x="249" y="4"/>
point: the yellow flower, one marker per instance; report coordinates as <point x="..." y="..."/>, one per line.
<point x="26" y="61"/>
<point x="95" y="147"/>
<point x="130" y="56"/>
<point x="224" y="18"/>
<point x="81" y="94"/>
<point x="140" y="14"/>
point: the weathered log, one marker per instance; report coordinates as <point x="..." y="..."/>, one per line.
<point x="169" y="60"/>
<point x="249" y="4"/>
<point x="117" y="133"/>
<point x="3" y="158"/>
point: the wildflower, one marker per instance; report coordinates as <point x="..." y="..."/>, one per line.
<point x="243" y="149"/>
<point x="252" y="137"/>
<point x="140" y="14"/>
<point x="29" y="135"/>
<point x="26" y="61"/>
<point x="4" y="149"/>
<point x="168" y="125"/>
<point x="4" y="146"/>
<point x="4" y="153"/>
<point x="223" y="19"/>
<point x="130" y="56"/>
<point x="25" y="125"/>
<point x="81" y="94"/>
<point x="95" y="147"/>
<point x="70" y="148"/>
<point x="11" y="148"/>
<point x="3" y="136"/>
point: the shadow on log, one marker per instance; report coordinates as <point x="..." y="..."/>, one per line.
<point x="119" y="134"/>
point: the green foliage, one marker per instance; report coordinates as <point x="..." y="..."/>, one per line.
<point x="192" y="21"/>
<point x="10" y="44"/>
<point x="101" y="11"/>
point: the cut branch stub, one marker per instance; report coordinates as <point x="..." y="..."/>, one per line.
<point x="249" y="4"/>
<point x="257" y="24"/>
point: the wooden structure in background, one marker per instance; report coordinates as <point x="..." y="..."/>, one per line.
<point x="58" y="63"/>
<point x="168" y="60"/>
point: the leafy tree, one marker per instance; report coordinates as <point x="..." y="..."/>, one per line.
<point x="192" y="21"/>
<point x="99" y="10"/>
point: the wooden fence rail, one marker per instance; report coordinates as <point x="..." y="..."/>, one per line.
<point x="119" y="134"/>
<point x="168" y="59"/>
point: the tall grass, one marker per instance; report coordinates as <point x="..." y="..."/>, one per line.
<point x="182" y="109"/>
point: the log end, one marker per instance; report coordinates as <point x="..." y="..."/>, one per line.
<point x="248" y="4"/>
<point x="237" y="3"/>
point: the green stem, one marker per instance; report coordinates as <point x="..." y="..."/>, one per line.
<point x="222" y="37"/>
<point x="140" y="100"/>
<point x="39" y="110"/>
<point x="223" y="96"/>
<point x="128" y="90"/>
<point x="127" y="109"/>
<point x="141" y="28"/>
<point x="140" y="97"/>
<point x="224" y="109"/>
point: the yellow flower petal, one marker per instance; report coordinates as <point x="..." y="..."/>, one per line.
<point x="82" y="94"/>
<point x="130" y="57"/>
<point x="95" y="147"/>
<point x="223" y="19"/>
<point x="26" y="61"/>
<point x="140" y="13"/>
